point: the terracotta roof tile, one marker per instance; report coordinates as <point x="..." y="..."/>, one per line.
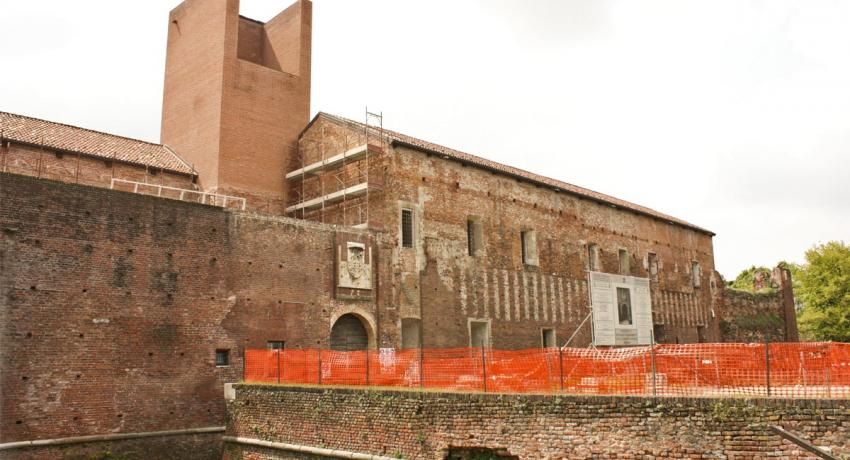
<point x="519" y="173"/>
<point x="68" y="138"/>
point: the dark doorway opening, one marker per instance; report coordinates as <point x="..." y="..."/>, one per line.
<point x="349" y="334"/>
<point x="479" y="453"/>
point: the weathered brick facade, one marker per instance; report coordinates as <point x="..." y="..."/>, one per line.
<point x="438" y="282"/>
<point x="76" y="168"/>
<point x="417" y="425"/>
<point x="114" y="307"/>
<point x="114" y="304"/>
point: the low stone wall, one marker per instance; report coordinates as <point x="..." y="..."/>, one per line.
<point x="429" y="425"/>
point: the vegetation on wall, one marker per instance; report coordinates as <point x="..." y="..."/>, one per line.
<point x="746" y="280"/>
<point x="823" y="287"/>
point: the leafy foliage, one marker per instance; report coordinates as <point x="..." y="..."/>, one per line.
<point x="745" y="280"/>
<point x="823" y="286"/>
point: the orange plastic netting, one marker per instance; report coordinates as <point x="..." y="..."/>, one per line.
<point x="819" y="370"/>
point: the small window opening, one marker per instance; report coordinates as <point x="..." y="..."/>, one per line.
<point x="410" y="333"/>
<point x="275" y="344"/>
<point x="406" y="228"/>
<point x="652" y="260"/>
<point x="624" y="261"/>
<point x="696" y="273"/>
<point x="658" y="333"/>
<point x="593" y="257"/>
<point x="479" y="334"/>
<point x="529" y="247"/>
<point x="548" y="337"/>
<point x="222" y="357"/>
<point x="474" y="235"/>
<point x="624" y="307"/>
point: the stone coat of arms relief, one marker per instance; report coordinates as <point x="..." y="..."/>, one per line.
<point x="354" y="271"/>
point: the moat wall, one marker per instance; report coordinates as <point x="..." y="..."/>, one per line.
<point x="428" y="425"/>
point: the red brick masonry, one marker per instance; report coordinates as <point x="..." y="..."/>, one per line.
<point x="425" y="425"/>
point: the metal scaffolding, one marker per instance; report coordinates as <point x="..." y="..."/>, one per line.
<point x="336" y="187"/>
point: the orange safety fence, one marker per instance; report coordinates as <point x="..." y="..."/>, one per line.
<point x="810" y="370"/>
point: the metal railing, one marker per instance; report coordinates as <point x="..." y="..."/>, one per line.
<point x="182" y="194"/>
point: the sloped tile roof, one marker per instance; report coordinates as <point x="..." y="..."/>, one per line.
<point x="58" y="136"/>
<point x="474" y="160"/>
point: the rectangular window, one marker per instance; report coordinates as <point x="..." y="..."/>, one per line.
<point x="410" y="333"/>
<point x="658" y="333"/>
<point x="274" y="345"/>
<point x="479" y="334"/>
<point x="593" y="257"/>
<point x="624" y="261"/>
<point x="548" y="336"/>
<point x="406" y="228"/>
<point x="529" y="247"/>
<point x="652" y="261"/>
<point x="474" y="235"/>
<point x="222" y="357"/>
<point x="624" y="307"/>
<point x="696" y="273"/>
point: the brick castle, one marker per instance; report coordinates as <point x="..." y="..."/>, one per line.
<point x="134" y="274"/>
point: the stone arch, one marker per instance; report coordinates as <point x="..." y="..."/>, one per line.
<point x="352" y="329"/>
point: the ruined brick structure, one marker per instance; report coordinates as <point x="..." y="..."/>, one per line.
<point x="125" y="313"/>
<point x="759" y="316"/>
<point x="415" y="425"/>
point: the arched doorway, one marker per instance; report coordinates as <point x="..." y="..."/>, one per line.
<point x="348" y="334"/>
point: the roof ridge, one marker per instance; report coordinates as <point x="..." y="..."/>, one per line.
<point x="80" y="127"/>
<point x="527" y="175"/>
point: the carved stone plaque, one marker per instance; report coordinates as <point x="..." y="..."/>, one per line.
<point x="355" y="271"/>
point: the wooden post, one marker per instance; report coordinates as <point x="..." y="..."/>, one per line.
<point x="367" y="366"/>
<point x="767" y="364"/>
<point x="278" y="365"/>
<point x="244" y="363"/>
<point x="652" y="354"/>
<point x="421" y="368"/>
<point x="561" y="367"/>
<point x="484" y="366"/>
<point x="320" y="366"/>
<point x="828" y="371"/>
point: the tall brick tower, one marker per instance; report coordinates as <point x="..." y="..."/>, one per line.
<point x="237" y="94"/>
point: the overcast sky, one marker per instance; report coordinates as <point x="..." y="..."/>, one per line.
<point x="733" y="115"/>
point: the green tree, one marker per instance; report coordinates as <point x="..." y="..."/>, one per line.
<point x="744" y="281"/>
<point x="823" y="287"/>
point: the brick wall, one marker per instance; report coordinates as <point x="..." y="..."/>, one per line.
<point x="752" y="317"/>
<point x="438" y="282"/>
<point x="82" y="169"/>
<point x="208" y="446"/>
<point x="112" y="305"/>
<point x="236" y="96"/>
<point x="427" y="425"/>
